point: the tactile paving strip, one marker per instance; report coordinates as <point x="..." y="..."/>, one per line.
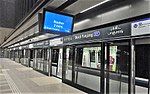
<point x="4" y="86"/>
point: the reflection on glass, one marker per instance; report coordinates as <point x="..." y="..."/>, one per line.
<point x="59" y="66"/>
<point x="92" y="55"/>
<point x="39" y="63"/>
<point x="55" y="55"/>
<point x="119" y="58"/>
<point x="69" y="54"/>
<point x="112" y="58"/>
<point x="45" y="59"/>
<point x="118" y="68"/>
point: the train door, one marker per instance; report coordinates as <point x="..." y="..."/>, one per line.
<point x="26" y="57"/>
<point x="12" y="55"/>
<point x="117" y="67"/>
<point x="39" y="64"/>
<point x="142" y="66"/>
<point x="45" y="60"/>
<point x="17" y="56"/>
<point x="31" y="58"/>
<point x="56" y="59"/>
<point x="20" y="55"/>
<point x="87" y="66"/>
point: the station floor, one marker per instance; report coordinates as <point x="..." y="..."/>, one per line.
<point x="18" y="79"/>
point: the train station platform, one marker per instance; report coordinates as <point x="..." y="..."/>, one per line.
<point x="18" y="79"/>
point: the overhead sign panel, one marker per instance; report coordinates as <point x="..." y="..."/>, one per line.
<point x="141" y="27"/>
<point x="120" y="30"/>
<point x="116" y="31"/>
<point x="58" y="23"/>
<point x="56" y="41"/>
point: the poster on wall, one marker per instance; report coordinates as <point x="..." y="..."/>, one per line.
<point x="140" y="27"/>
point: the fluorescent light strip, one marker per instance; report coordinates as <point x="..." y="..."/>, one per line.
<point x="95" y="6"/>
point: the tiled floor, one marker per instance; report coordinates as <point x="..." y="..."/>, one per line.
<point x="18" y="79"/>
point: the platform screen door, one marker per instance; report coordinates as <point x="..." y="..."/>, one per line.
<point x="117" y="67"/>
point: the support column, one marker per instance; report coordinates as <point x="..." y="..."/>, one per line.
<point x="131" y="85"/>
<point x="102" y="81"/>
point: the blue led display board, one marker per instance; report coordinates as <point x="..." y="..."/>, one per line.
<point x="55" y="22"/>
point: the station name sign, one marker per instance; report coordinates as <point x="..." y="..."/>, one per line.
<point x="56" y="41"/>
<point x="103" y="33"/>
<point x="41" y="44"/>
<point x="141" y="27"/>
<point x="83" y="36"/>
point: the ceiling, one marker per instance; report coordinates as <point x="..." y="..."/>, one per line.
<point x="77" y="7"/>
<point x="81" y="5"/>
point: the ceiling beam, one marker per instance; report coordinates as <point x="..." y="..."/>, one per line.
<point x="66" y="4"/>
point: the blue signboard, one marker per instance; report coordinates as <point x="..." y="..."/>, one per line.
<point x="58" y="23"/>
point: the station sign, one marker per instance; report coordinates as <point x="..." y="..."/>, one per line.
<point x="140" y="27"/>
<point x="30" y="45"/>
<point x="56" y="41"/>
<point x="46" y="43"/>
<point x="117" y="31"/>
<point x="96" y="34"/>
<point x="25" y="46"/>
<point x="41" y="44"/>
<point x="120" y="30"/>
<point x="38" y="44"/>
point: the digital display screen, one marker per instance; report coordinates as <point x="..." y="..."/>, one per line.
<point x="57" y="22"/>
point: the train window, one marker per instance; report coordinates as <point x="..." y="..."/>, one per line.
<point x="55" y="55"/>
<point x="119" y="58"/>
<point x="22" y="55"/>
<point x="69" y="56"/>
<point x="31" y="54"/>
<point x="89" y="57"/>
<point x="99" y="56"/>
<point x="39" y="53"/>
<point x="26" y="53"/>
<point x="45" y="54"/>
<point x="70" y="53"/>
<point x="113" y="58"/>
<point x="92" y="55"/>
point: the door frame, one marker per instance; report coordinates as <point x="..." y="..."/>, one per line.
<point x="130" y="67"/>
<point x="133" y="40"/>
<point x="50" y="61"/>
<point x="64" y="62"/>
